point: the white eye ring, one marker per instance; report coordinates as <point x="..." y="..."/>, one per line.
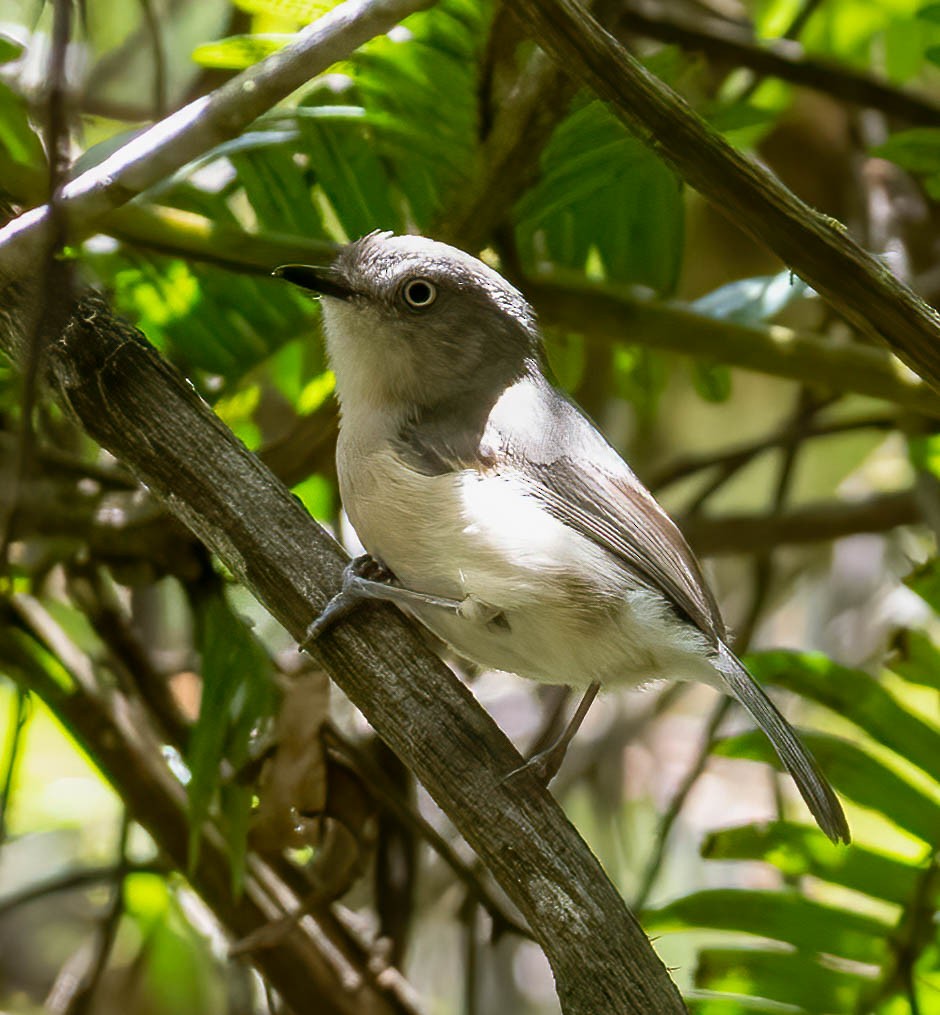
<point x="419" y="293"/>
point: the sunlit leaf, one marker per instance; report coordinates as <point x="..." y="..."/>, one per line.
<point x="784" y="916"/>
<point x="301" y="11"/>
<point x="752" y="300"/>
<point x="239" y="51"/>
<point x="916" y="659"/>
<point x="857" y="775"/>
<point x="10" y="49"/>
<point x="602" y="189"/>
<point x="788" y="977"/>
<point x="858" y="697"/>
<point x="16" y="134"/>
<point x="798" y="850"/>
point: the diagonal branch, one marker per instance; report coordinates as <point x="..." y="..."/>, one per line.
<point x="203" y="124"/>
<point x="138" y="407"/>
<point x="817" y="247"/>
<point x="782" y="58"/>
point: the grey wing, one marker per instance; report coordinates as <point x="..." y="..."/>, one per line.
<point x="582" y="481"/>
<point x="615" y="511"/>
<point x="532" y="430"/>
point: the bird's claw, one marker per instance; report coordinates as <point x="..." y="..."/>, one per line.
<point x="543" y="766"/>
<point x="359" y="575"/>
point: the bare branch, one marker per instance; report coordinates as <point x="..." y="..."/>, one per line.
<point x="816" y="523"/>
<point x="603" y="312"/>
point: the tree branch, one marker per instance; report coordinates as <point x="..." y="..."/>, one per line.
<point x="203" y="124"/>
<point x="603" y="312"/>
<point x="143" y="411"/>
<point x="818" y="248"/>
<point x="815" y="523"/>
<point x="783" y="59"/>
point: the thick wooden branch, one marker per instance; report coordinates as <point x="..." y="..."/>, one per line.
<point x="605" y="313"/>
<point x="782" y="58"/>
<point x="144" y="412"/>
<point x="817" y="248"/>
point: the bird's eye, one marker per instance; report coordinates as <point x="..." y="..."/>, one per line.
<point x="419" y="293"/>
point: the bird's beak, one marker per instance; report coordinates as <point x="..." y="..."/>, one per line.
<point x="320" y="280"/>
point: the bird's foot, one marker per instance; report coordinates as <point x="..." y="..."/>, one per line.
<point x="362" y="577"/>
<point x="544" y="765"/>
<point x="366" y="578"/>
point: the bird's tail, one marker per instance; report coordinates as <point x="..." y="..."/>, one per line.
<point x="812" y="784"/>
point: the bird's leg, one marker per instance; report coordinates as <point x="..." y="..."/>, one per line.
<point x="366" y="578"/>
<point x="544" y="765"/>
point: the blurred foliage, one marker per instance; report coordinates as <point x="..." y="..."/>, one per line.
<point x="105" y="597"/>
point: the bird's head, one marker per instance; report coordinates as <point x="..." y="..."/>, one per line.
<point x="413" y="322"/>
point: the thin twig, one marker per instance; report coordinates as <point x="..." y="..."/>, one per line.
<point x="83" y="997"/>
<point x="71" y="880"/>
<point x="155" y="36"/>
<point x="658" y="854"/>
<point x="762" y="580"/>
<point x="21" y="707"/>
<point x="53" y="273"/>
<point x="681" y="468"/>
<point x="379" y="784"/>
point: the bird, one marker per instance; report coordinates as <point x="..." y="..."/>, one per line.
<point x="494" y="511"/>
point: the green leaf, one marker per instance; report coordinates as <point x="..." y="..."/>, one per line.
<point x="789" y="978"/>
<point x="237" y="693"/>
<point x="930" y="13"/>
<point x="800" y="850"/>
<point x="925" y="581"/>
<point x="351" y="175"/>
<point x="10" y="49"/>
<point x="16" y="135"/>
<point x="784" y="916"/>
<point x="240" y="51"/>
<point x="916" y="658"/>
<point x="917" y="149"/>
<point x="855" y="696"/>
<point x="712" y="380"/>
<point x="603" y="190"/>
<point x="856" y="774"/>
<point x="301" y="11"/>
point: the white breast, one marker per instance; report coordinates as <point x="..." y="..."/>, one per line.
<point x="573" y="615"/>
<point x="464" y="533"/>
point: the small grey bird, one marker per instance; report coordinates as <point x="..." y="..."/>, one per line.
<point x="493" y="510"/>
